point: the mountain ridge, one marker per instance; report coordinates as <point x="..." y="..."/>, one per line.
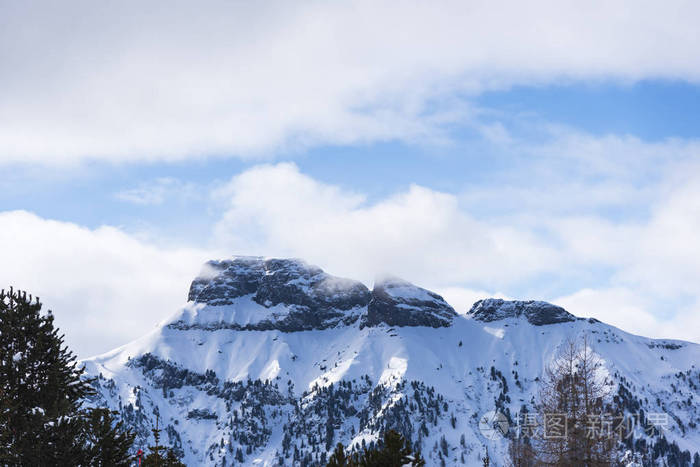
<point x="258" y="369"/>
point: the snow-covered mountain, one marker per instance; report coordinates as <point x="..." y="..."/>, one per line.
<point x="273" y="361"/>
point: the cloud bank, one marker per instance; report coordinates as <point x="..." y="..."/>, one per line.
<point x="421" y="232"/>
<point x="124" y="81"/>
<point x="105" y="286"/>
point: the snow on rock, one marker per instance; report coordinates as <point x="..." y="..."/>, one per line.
<point x="275" y="281"/>
<point x="257" y="294"/>
<point x="399" y="303"/>
<point x="536" y="312"/>
<point x="253" y="293"/>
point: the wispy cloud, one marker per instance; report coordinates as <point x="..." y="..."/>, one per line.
<point x="158" y="191"/>
<point x="559" y="170"/>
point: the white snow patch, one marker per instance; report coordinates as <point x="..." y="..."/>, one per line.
<point x="394" y="371"/>
<point x="409" y="292"/>
<point x="498" y="332"/>
<point x="271" y="370"/>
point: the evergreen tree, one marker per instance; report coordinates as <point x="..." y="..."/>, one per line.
<point x="42" y="389"/>
<point x="395" y="451"/>
<point x="5" y="433"/>
<point x="109" y="442"/>
<point x="160" y="456"/>
<point x="338" y="458"/>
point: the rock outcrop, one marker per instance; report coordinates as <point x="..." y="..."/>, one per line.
<point x="275" y="281"/>
<point x="536" y="312"/>
<point x="257" y="294"/>
<point x="399" y="303"/>
<point x="296" y="295"/>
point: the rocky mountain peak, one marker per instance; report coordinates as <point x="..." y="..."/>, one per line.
<point x="397" y="302"/>
<point x="273" y="281"/>
<point x="221" y="281"/>
<point x="536" y="312"/>
<point x="255" y="293"/>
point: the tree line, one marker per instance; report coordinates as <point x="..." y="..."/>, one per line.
<point x="44" y="418"/>
<point x="393" y="450"/>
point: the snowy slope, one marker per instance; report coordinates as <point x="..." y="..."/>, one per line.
<point x="276" y="361"/>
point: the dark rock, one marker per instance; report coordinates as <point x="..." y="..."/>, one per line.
<point x="315" y="300"/>
<point x="312" y="298"/>
<point x="296" y="321"/>
<point x="536" y="312"/>
<point x="400" y="303"/>
<point x="294" y="282"/>
<point x="222" y="281"/>
<point x="275" y="281"/>
<point x="201" y="414"/>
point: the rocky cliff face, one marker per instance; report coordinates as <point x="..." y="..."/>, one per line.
<point x="536" y="312"/>
<point x="400" y="303"/>
<point x="254" y="294"/>
<point x="220" y="282"/>
<point x="257" y="294"/>
<point x="275" y="281"/>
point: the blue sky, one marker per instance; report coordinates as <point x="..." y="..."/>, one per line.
<point x="653" y="111"/>
<point x="459" y="148"/>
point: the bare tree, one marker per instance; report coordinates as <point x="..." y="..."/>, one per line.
<point x="574" y="409"/>
<point x="521" y="453"/>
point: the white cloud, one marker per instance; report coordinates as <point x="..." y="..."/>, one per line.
<point x="559" y="171"/>
<point x="658" y="254"/>
<point x="174" y="80"/>
<point x="669" y="243"/>
<point x="624" y="158"/>
<point x="104" y="286"/>
<point x="420" y="233"/>
<point x="617" y="306"/>
<point x="634" y="312"/>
